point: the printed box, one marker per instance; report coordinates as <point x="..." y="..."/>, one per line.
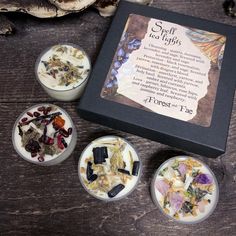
<point x="165" y="76"/>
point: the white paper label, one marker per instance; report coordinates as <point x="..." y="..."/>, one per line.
<point x="166" y="68"/>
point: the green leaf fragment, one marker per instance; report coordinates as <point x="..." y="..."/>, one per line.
<point x="175" y="165"/>
<point x="162" y="172"/>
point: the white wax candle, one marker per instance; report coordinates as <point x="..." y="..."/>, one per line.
<point x="189" y="194"/>
<point x="63" y="71"/>
<point x="44" y="134"/>
<point x="121" y="157"/>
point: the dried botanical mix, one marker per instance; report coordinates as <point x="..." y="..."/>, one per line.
<point x="63" y="71"/>
<point x="109" y="167"/>
<point x="185" y="189"/>
<point x="43" y="133"/>
<point x="63" y="66"/>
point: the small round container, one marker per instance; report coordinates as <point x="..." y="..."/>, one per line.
<point x="63" y="71"/>
<point x="185" y="189"/>
<point x="109" y="168"/>
<point x="44" y="135"/>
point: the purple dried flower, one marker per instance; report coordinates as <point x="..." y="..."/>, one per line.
<point x="182" y="169"/>
<point x="134" y="44"/>
<point x="162" y="186"/>
<point x="126" y="57"/>
<point x="121" y="52"/>
<point x="111" y="83"/>
<point x="176" y="201"/>
<point x="114" y="72"/>
<point x="117" y="64"/>
<point x="203" y="179"/>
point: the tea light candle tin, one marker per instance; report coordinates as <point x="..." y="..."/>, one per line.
<point x="44" y="134"/>
<point x="185" y="189"/>
<point x="109" y="168"/>
<point x="63" y="71"/>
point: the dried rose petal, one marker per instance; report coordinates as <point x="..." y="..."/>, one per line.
<point x="201" y="206"/>
<point x="162" y="186"/>
<point x="59" y="142"/>
<point x="176" y="201"/>
<point x="203" y="179"/>
<point x="182" y="169"/>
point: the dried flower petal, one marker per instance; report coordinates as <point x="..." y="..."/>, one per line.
<point x="162" y="186"/>
<point x="201" y="206"/>
<point x="176" y="201"/>
<point x="203" y="179"/>
<point x="182" y="169"/>
<point x="121" y="52"/>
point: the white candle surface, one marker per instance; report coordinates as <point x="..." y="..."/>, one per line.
<point x="121" y="158"/>
<point x="44" y="134"/>
<point x="63" y="71"/>
<point x="185" y="189"/>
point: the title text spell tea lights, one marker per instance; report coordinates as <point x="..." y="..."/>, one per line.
<point x="109" y="168"/>
<point x="44" y="134"/>
<point x="63" y="71"/>
<point x="185" y="189"/>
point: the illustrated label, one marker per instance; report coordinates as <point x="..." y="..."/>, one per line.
<point x="166" y="68"/>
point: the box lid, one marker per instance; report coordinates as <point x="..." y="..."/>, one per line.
<point x="208" y="51"/>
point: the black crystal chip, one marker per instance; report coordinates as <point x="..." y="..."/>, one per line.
<point x="89" y="171"/>
<point x="136" y="167"/>
<point x="92" y="178"/>
<point x="113" y="192"/>
<point x="124" y="171"/>
<point x="100" y="154"/>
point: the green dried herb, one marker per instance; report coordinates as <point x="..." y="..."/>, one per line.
<point x="31" y="133"/>
<point x="162" y="172"/>
<point x="187" y="207"/>
<point x="175" y="165"/>
<point x="166" y="202"/>
<point x="200" y="194"/>
<point x="195" y="173"/>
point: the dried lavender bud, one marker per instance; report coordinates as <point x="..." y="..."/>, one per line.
<point x="121" y="52"/>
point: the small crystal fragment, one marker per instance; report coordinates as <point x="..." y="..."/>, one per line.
<point x="99" y="154"/>
<point x="123" y="171"/>
<point x="136" y="166"/>
<point x="92" y="178"/>
<point x="113" y="192"/>
<point x="89" y="170"/>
